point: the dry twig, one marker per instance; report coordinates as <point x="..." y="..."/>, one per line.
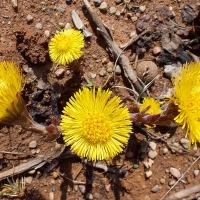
<point x="123" y="60"/>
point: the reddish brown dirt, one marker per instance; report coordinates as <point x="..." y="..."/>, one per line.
<point x="27" y="46"/>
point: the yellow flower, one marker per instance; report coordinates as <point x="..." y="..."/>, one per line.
<point x="95" y="125"/>
<point x="66" y="46"/>
<point x="154" y="106"/>
<point x="187" y="98"/>
<point x="10" y="91"/>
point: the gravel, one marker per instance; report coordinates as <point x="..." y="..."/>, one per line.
<point x="155" y="189"/>
<point x="152" y="145"/>
<point x="33" y="144"/>
<point x="103" y="7"/>
<point x="38" y="26"/>
<point x="152" y="154"/>
<point x="175" y="172"/>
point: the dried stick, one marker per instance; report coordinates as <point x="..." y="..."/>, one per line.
<point x="123" y="60"/>
<point x="184" y="193"/>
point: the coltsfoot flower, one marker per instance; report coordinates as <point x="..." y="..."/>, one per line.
<point x="154" y="106"/>
<point x="95" y="125"/>
<point x="65" y="46"/>
<point x="12" y="106"/>
<point x="10" y="91"/>
<point x="187" y="97"/>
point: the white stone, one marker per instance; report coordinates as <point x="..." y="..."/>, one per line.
<point x="133" y="34"/>
<point x="155" y="188"/>
<point x="175" y="172"/>
<point x="59" y="72"/>
<point x="47" y="33"/>
<point x="142" y="8"/>
<point x="152" y="145"/>
<point x="29" y="18"/>
<point x="33" y="144"/>
<point x="156" y="50"/>
<point x="148" y="173"/>
<point x="134" y="19"/>
<point x="112" y="10"/>
<point x="68" y="26"/>
<point x="118" y="70"/>
<point x="89" y="196"/>
<point x="165" y="150"/>
<point x="184" y="142"/>
<point x="196" y="172"/>
<point x="152" y="154"/>
<point x="103" y="7"/>
<point x="28" y="180"/>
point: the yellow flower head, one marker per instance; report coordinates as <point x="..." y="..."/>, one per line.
<point x="66" y="46"/>
<point x="95" y="125"/>
<point x="187" y="97"/>
<point x="10" y="91"/>
<point x="154" y="106"/>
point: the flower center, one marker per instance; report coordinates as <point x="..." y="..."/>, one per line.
<point x="96" y="128"/>
<point x="63" y="44"/>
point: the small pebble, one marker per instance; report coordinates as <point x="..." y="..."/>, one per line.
<point x="155" y="188"/>
<point x="103" y="7"/>
<point x="38" y="26"/>
<point x="60" y="72"/>
<point x="170" y="70"/>
<point x="47" y="33"/>
<point x="93" y="75"/>
<point x="118" y="70"/>
<point x="152" y="145"/>
<point x="133" y="34"/>
<point x="55" y="175"/>
<point x="76" y="188"/>
<point x="157" y="50"/>
<point x="31" y="172"/>
<point x="82" y="188"/>
<point x="60" y="9"/>
<point x="152" y="154"/>
<point x="167" y="170"/>
<point x="142" y="8"/>
<point x="102" y="72"/>
<point x="134" y="19"/>
<point x="165" y="150"/>
<point x="14" y="3"/>
<point x="172" y="182"/>
<point x="118" y="1"/>
<point x="196" y="172"/>
<point x="170" y="8"/>
<point x="135" y="166"/>
<point x="33" y="144"/>
<point x="68" y="26"/>
<point x="162" y="181"/>
<point x="53" y="182"/>
<point x="185" y="143"/>
<point x="89" y="196"/>
<point x="62" y="25"/>
<point x="148" y="173"/>
<point x="175" y="172"/>
<point x="33" y="151"/>
<point x="57" y="146"/>
<point x="28" y="179"/>
<point x="29" y="18"/>
<point x="117" y="14"/>
<point x="104" y="61"/>
<point x="51" y="196"/>
<point x="112" y="10"/>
